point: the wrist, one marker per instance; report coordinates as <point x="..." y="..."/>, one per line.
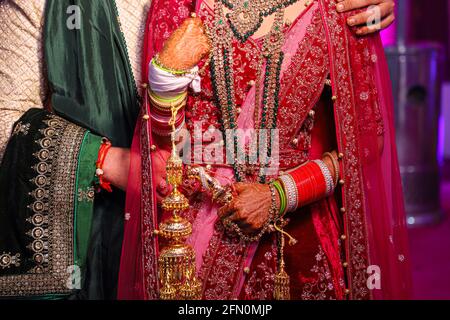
<point x="103" y="151"/>
<point x="166" y="63"/>
<point x="280" y="198"/>
<point x="116" y="167"/>
<point x="173" y="64"/>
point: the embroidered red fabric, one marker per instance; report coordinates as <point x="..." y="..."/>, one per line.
<point x="352" y="122"/>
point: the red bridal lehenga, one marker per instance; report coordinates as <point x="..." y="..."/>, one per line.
<point x="334" y="95"/>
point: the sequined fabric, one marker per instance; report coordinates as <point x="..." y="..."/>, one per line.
<point x="132" y="16"/>
<point x="22" y="81"/>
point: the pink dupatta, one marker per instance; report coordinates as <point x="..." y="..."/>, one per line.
<point x="375" y="221"/>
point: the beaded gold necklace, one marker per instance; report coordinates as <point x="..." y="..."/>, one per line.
<point x="240" y="23"/>
<point x="247" y="16"/>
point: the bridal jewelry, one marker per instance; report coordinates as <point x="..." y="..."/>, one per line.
<point x="241" y="23"/>
<point x="221" y="195"/>
<point x="221" y="36"/>
<point x="247" y="16"/>
<point x="271" y="220"/>
<point x="177" y="267"/>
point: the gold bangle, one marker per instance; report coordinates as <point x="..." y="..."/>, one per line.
<point x="165" y="109"/>
<point x="335" y="166"/>
<point x="166" y="106"/>
<point x="166" y="101"/>
<point x="179" y="73"/>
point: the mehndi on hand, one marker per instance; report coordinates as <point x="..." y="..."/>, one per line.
<point x="186" y="46"/>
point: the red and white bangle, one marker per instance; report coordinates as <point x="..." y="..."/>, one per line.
<point x="161" y="122"/>
<point x="102" y="152"/>
<point x="327" y="175"/>
<point x="310" y="183"/>
<point x="167" y="131"/>
<point x="291" y="192"/>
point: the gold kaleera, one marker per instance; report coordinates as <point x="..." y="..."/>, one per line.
<point x="177" y="267"/>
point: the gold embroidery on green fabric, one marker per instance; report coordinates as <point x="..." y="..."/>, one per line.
<point x="52" y="206"/>
<point x="87" y="195"/>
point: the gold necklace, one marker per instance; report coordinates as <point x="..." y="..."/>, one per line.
<point x="222" y="75"/>
<point x="247" y="16"/>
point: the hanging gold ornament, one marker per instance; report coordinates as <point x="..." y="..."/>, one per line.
<point x="177" y="268"/>
<point x="282" y="281"/>
<point x="221" y="195"/>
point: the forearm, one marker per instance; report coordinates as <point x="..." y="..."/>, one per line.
<point x="167" y="95"/>
<point x="117" y="166"/>
<point x="311" y="182"/>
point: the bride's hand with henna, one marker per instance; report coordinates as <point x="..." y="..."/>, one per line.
<point x="186" y="46"/>
<point x="250" y="207"/>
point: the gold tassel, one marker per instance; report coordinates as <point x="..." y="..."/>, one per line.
<point x="176" y="260"/>
<point x="282" y="285"/>
<point x="167" y="292"/>
<point x="282" y="281"/>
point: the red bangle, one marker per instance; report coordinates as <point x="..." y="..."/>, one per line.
<point x="310" y="182"/>
<point x="104" y="148"/>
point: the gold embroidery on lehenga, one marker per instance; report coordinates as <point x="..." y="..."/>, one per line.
<point x="149" y="242"/>
<point x="260" y="284"/>
<point x="353" y="195"/>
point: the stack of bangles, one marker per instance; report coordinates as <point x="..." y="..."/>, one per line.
<point x="309" y="183"/>
<point x="162" y="113"/>
<point x="102" y="182"/>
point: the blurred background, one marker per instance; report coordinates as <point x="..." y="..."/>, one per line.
<point x="418" y="52"/>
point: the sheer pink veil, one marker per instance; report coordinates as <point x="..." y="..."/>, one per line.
<point x="132" y="283"/>
<point x="385" y="214"/>
<point x="383" y="201"/>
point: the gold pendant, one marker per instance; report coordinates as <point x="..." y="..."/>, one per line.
<point x="245" y="20"/>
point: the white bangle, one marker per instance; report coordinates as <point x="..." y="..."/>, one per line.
<point x="290" y="188"/>
<point x="327" y="175"/>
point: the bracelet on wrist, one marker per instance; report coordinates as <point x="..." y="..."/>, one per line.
<point x="327" y="176"/>
<point x="167" y="131"/>
<point x="282" y="196"/>
<point x="166" y="104"/>
<point x="335" y="166"/>
<point x="104" y="148"/>
<point x="157" y="63"/>
<point x="291" y="192"/>
<point x="310" y="183"/>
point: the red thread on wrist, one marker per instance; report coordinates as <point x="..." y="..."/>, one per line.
<point x="102" y="152"/>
